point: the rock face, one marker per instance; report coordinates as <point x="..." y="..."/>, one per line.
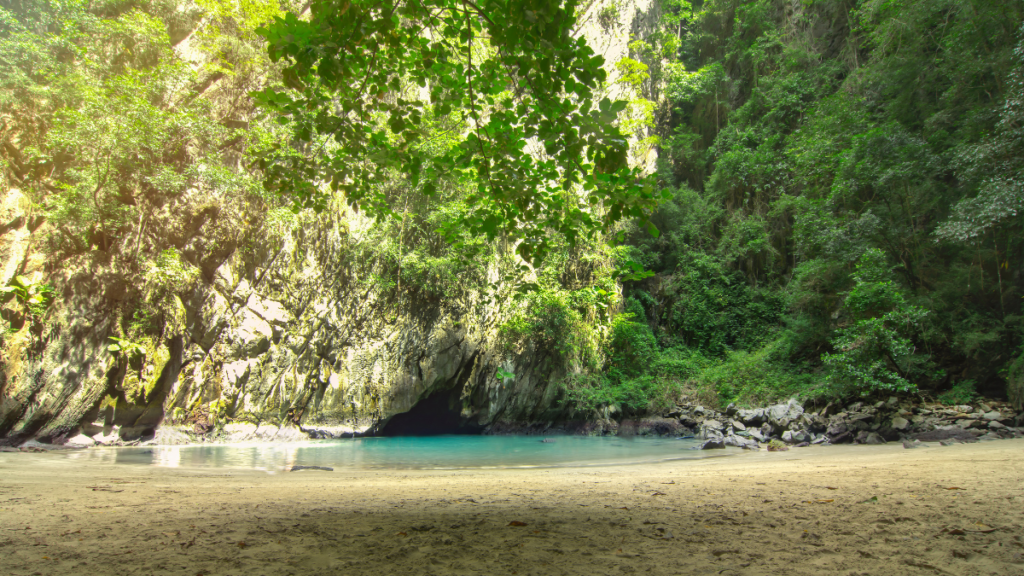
<point x="285" y="331"/>
<point x="282" y="337"/>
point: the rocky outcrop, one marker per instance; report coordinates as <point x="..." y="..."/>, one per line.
<point x="282" y="327"/>
<point x="283" y="336"/>
<point x="859" y="422"/>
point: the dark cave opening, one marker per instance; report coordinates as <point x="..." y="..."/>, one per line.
<point x="434" y="415"/>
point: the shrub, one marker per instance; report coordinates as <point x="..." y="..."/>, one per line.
<point x="874" y="349"/>
<point x="961" y="393"/>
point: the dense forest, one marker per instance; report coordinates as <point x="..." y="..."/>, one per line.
<point x="819" y="198"/>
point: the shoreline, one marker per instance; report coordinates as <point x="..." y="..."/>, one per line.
<point x="790" y="424"/>
<point x="880" y="510"/>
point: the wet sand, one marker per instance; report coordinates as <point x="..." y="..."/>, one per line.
<point x="845" y="510"/>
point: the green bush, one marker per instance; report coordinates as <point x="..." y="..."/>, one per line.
<point x="757" y="378"/>
<point x="962" y="392"/>
<point x="548" y="319"/>
<point x="874" y="349"/>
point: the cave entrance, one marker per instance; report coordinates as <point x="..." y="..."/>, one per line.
<point x="436" y="414"/>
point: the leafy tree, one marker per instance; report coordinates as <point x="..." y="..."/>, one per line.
<point x="875" y="347"/>
<point x="996" y="165"/>
<point x="366" y="81"/>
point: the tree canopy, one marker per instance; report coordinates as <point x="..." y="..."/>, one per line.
<point x="500" y="95"/>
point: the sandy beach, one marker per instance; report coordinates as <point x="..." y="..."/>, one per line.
<point x="865" y="510"/>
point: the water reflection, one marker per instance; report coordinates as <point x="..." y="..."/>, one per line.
<point x="437" y="452"/>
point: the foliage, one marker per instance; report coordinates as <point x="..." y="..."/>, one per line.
<point x="996" y="166"/>
<point x="124" y="146"/>
<point x="549" y="319"/>
<point x="812" y="166"/>
<point x="366" y="81"/>
<point x="35" y="297"/>
<point x="170" y="273"/>
<point x="757" y="378"/>
<point x="1015" y="382"/>
<point x="126" y="348"/>
<point x="608" y="15"/>
<point x="874" y="350"/>
<point x="962" y="392"/>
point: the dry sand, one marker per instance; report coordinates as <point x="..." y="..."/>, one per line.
<point x="937" y="510"/>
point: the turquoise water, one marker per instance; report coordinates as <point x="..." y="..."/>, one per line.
<point x="432" y="452"/>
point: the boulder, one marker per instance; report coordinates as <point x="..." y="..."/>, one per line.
<point x="816" y="423"/>
<point x="900" y="423"/>
<point x="873" y="438"/>
<point x="688" y="422"/>
<point x="788" y="411"/>
<point x="841" y="438"/>
<point x="795" y="436"/>
<point x="996" y="425"/>
<point x="837" y="428"/>
<point x="992" y="416"/>
<point x="712" y="425"/>
<point x="751" y="417"/>
<point x="739" y="442"/>
<point x="713" y="444"/>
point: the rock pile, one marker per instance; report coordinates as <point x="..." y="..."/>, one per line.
<point x="878" y="422"/>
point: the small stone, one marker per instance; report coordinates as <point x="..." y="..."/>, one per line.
<point x="874" y="438"/>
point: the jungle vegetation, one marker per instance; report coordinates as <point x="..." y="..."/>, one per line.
<point x="835" y="209"/>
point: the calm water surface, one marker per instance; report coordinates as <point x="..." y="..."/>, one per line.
<point x="432" y="452"/>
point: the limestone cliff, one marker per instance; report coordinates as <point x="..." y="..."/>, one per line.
<point x="274" y="325"/>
